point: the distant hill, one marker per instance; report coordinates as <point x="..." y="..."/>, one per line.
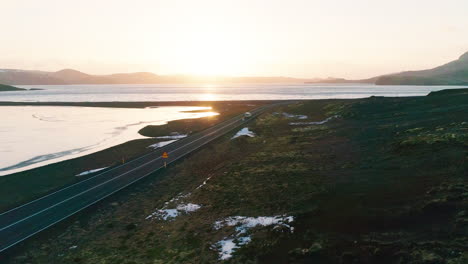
<point x="5" y="88"/>
<point x="21" y="77"/>
<point x="341" y="80"/>
<point x="70" y="76"/>
<point x="452" y="73"/>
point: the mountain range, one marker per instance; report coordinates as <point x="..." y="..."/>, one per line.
<point x="70" y="76"/>
<point x="452" y="73"/>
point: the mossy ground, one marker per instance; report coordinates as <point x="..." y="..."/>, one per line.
<point x="385" y="182"/>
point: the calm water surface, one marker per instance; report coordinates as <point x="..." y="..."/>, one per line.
<point x="164" y="92"/>
<point x="33" y="136"/>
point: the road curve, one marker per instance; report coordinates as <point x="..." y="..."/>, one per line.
<point x="31" y="218"/>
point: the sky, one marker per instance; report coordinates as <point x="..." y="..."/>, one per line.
<point x="297" y="38"/>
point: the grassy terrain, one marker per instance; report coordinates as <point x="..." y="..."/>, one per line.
<point x="48" y="178"/>
<point x="383" y="182"/>
<point x="4" y="88"/>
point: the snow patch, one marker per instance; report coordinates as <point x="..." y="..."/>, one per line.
<point x="167" y="214"/>
<point x="243" y="223"/>
<point x="294" y="116"/>
<point x="190" y="207"/>
<point x="177" y="198"/>
<point x="161" y="144"/>
<point x="164" y="214"/>
<point x="180" y="206"/>
<point x="314" y="123"/>
<point x="90" y="171"/>
<point x="244" y="132"/>
<point x="175" y="136"/>
<point x="228" y="246"/>
<point x="203" y="184"/>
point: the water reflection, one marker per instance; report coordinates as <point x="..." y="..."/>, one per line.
<point x="33" y="136"/>
<point x="208" y="97"/>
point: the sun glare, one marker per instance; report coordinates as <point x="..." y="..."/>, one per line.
<point x="208" y="97"/>
<point x="209" y="53"/>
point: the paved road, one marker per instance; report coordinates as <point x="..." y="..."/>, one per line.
<point x="24" y="221"/>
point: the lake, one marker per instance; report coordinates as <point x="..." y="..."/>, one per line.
<point x="33" y="136"/>
<point x="166" y="92"/>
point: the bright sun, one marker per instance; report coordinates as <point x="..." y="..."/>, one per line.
<point x="206" y="53"/>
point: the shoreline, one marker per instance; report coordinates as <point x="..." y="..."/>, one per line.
<point x="75" y="131"/>
<point x="141" y="104"/>
<point x="41" y="183"/>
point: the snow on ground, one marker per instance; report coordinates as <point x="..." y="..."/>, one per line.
<point x="164" y="214"/>
<point x="177" y="198"/>
<point x="190" y="207"/>
<point x="175" y="136"/>
<point x="161" y="144"/>
<point x="90" y="171"/>
<point x="243" y="223"/>
<point x="244" y="132"/>
<point x="178" y="206"/>
<point x="203" y="184"/>
<point x="294" y="116"/>
<point x="227" y="246"/>
<point x="167" y="214"/>
<point x="314" y="123"/>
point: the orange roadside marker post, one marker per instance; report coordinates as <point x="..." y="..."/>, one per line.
<point x="165" y="156"/>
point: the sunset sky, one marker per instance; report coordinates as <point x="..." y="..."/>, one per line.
<point x="298" y="38"/>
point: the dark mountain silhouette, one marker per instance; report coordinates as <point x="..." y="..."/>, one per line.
<point x="452" y="73"/>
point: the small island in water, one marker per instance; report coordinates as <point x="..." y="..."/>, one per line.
<point x="9" y="88"/>
<point x="5" y="88"/>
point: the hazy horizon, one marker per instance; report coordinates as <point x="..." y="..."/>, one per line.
<point x="300" y="39"/>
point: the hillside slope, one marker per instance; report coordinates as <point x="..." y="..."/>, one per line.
<point x="452" y="73"/>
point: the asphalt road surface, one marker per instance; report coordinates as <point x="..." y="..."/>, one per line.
<point x="31" y="218"/>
